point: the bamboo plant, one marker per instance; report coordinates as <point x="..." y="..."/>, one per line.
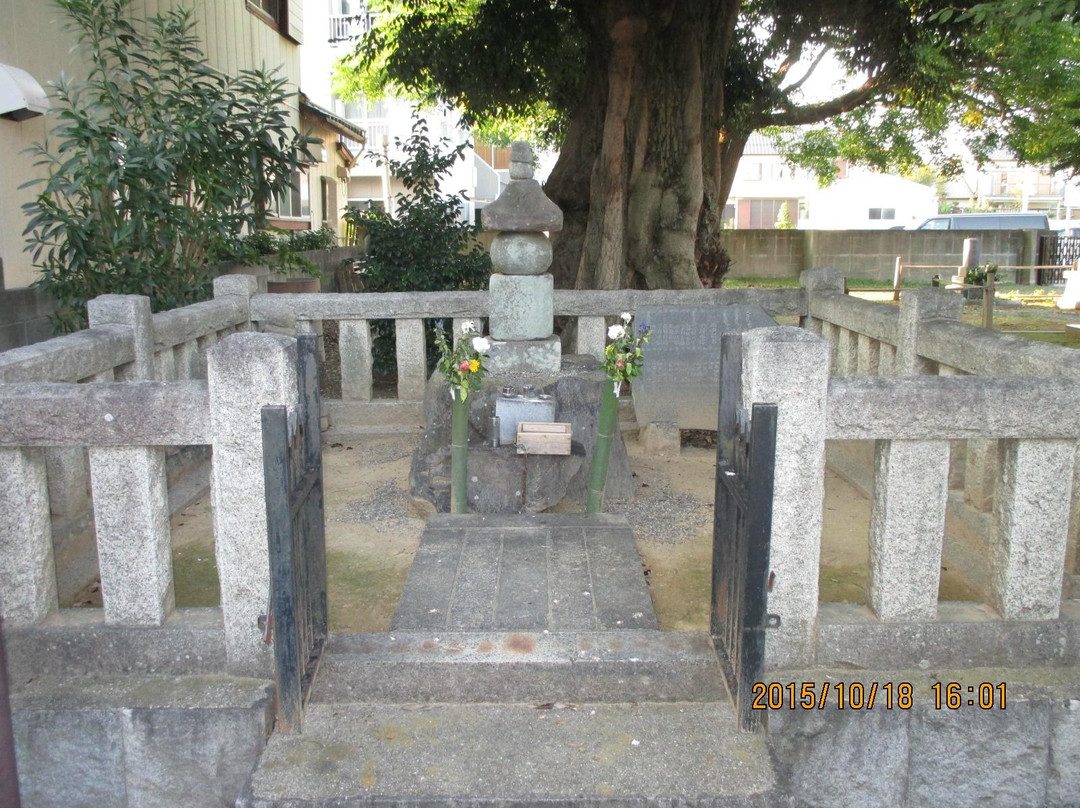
<point x="623" y="360"/>
<point x="462" y="365"/>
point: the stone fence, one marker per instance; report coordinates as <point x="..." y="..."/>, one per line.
<point x="949" y="429"/>
<point x="125" y="428"/>
<point x="933" y="394"/>
<point x="354" y="313"/>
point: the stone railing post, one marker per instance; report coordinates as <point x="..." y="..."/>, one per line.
<point x="130" y="311"/>
<point x="907" y="528"/>
<point x="821" y="280"/>
<point x="411" y="359"/>
<point x="241" y="287"/>
<point x="591" y="336"/>
<point x="246" y="372"/>
<point x="354" y="344"/>
<point x="27" y="574"/>
<point x="918" y="306"/>
<point x="789" y="367"/>
<point x="1031" y="528"/>
<point x="131" y="517"/>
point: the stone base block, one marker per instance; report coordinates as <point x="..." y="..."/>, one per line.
<point x="660" y="438"/>
<point x="521" y="306"/>
<point x="525" y="356"/>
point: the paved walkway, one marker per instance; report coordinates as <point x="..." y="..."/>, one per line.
<point x="569" y="572"/>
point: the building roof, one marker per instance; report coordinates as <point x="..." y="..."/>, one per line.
<point x="758" y="143"/>
<point x="335" y="122"/>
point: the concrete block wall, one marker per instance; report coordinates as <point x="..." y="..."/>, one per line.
<point x="867" y="253"/>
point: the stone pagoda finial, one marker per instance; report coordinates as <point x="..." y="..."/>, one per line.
<point x="521" y="305"/>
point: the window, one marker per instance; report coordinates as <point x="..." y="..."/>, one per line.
<point x="882" y="213"/>
<point x="752" y="170"/>
<point x="296" y="202"/>
<point x="274" y="11"/>
<point x="764" y="212"/>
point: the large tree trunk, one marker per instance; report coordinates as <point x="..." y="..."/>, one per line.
<point x="641" y="177"/>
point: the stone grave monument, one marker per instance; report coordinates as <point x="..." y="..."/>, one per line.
<point x="525" y="354"/>
<point x="680" y="382"/>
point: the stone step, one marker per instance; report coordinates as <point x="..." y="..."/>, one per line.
<point x="165" y="741"/>
<point x="686" y="754"/>
<point x="538" y="667"/>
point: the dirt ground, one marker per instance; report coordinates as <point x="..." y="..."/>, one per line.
<point x="373" y="532"/>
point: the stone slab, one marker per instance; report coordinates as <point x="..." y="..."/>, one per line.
<point x="680" y="381"/>
<point x="519" y="666"/>
<point x="474" y="576"/>
<point x="165" y="741"/>
<point x="525" y="356"/>
<point x="515" y="755"/>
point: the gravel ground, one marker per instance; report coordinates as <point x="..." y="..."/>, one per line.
<point x="378" y="451"/>
<point x="388" y="503"/>
<point x="663" y="516"/>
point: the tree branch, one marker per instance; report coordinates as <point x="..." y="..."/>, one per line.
<point x="816" y="113"/>
<point x="809" y="71"/>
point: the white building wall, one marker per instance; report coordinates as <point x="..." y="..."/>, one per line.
<point x="869" y="202"/>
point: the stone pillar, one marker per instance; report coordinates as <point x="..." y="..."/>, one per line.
<point x="1031" y="526"/>
<point x="868" y="354"/>
<point x="130" y="311"/>
<point x="790" y="368"/>
<point x="411" y="359"/>
<point x="982" y="470"/>
<point x="916" y="307"/>
<point x="821" y="280"/>
<point x="27" y="574"/>
<point x="131" y="516"/>
<point x="886" y="359"/>
<point x="246" y="372"/>
<point x="591" y="336"/>
<point x="846" y="357"/>
<point x="188" y="365"/>
<point x="907" y="527"/>
<point x="241" y="287"/>
<point x="521" y="301"/>
<point x="972" y="258"/>
<point x="354" y="343"/>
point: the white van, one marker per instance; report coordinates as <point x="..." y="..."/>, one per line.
<point x="986" y="221"/>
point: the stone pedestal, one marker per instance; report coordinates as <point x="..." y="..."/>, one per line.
<point x="525" y="356"/>
<point x="499" y="479"/>
<point x="521" y="307"/>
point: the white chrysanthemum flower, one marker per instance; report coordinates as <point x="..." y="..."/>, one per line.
<point x="468" y="326"/>
<point x="481" y="344"/>
<point x="616" y="332"/>
<point x="626" y="317"/>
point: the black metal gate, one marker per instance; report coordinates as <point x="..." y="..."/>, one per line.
<point x="292" y="461"/>
<point x="745" y="455"/>
<point x="1056" y="251"/>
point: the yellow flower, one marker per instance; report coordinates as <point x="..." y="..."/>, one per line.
<point x="474" y="365"/>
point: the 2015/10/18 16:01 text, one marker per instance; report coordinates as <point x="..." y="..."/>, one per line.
<point x="865" y="695"/>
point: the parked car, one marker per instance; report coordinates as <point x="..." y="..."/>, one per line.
<point x="986" y="221"/>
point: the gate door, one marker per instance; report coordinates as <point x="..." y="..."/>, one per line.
<point x="745" y="454"/>
<point x="292" y="460"/>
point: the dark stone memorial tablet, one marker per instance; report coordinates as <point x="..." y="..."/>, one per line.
<point x="680" y="382"/>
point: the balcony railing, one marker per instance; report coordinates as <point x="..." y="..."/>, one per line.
<point x="345" y="27"/>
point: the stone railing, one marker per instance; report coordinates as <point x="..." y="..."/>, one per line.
<point x="915" y="421"/>
<point x="354" y="313"/>
<point x="124" y="427"/>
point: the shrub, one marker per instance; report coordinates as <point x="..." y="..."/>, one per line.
<point x="155" y="161"/>
<point x="425" y="247"/>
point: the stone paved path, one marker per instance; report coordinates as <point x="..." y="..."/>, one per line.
<point x="556" y="572"/>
